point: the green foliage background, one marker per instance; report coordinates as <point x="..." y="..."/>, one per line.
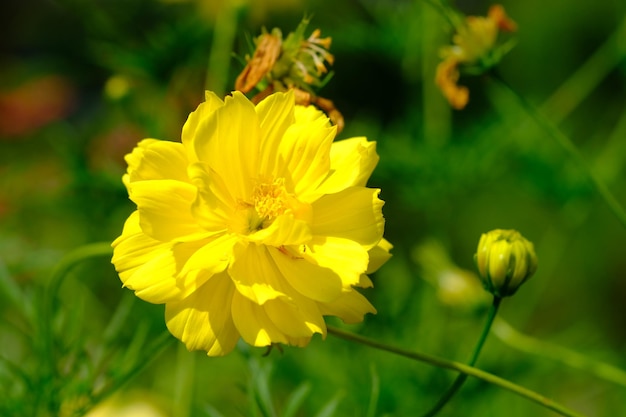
<point x="446" y="175"/>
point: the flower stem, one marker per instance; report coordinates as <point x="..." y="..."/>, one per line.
<point x="587" y="77"/>
<point x="460" y="379"/>
<point x="522" y="342"/>
<point x="72" y="259"/>
<point x="220" y="56"/>
<point x="568" y="146"/>
<point x="150" y="353"/>
<point x="67" y="263"/>
<point x="45" y="343"/>
<point x="459" y="367"/>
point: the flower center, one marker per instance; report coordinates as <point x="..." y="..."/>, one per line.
<point x="270" y="199"/>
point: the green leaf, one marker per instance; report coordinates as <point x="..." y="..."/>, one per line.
<point x="211" y="411"/>
<point x="295" y="400"/>
<point x="331" y="406"/>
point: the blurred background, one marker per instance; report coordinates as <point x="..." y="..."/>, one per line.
<point x="81" y="82"/>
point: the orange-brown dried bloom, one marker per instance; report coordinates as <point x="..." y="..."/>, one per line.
<point x="262" y="62"/>
<point x="474" y="49"/>
<point x="295" y="63"/>
<point x="446" y="79"/>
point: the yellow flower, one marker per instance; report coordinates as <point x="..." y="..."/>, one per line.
<point x="475" y="49"/>
<point x="255" y="226"/>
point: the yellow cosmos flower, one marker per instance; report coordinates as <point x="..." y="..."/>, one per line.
<point x="255" y="226"/>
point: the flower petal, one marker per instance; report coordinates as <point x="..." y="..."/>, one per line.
<point x="350" y="307"/>
<point x="201" y="320"/>
<point x="165" y="209"/>
<point x="379" y="254"/>
<point x="296" y="318"/>
<point x="255" y="275"/>
<point x="195" y="121"/>
<point x="228" y="141"/>
<point x="309" y="279"/>
<point x="156" y="160"/>
<point x="212" y="255"/>
<point x="354" y="213"/>
<point x="276" y="114"/>
<point x="364" y="282"/>
<point x="345" y="257"/>
<point x="352" y="161"/>
<point x="213" y="207"/>
<point x="285" y="230"/>
<point x="305" y="148"/>
<point x="136" y="256"/>
<point x="252" y="322"/>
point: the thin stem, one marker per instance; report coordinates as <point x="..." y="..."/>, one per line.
<point x="69" y="261"/>
<point x="587" y="77"/>
<point x="459" y="367"/>
<point x="151" y="353"/>
<point x="460" y="379"/>
<point x="569" y="147"/>
<point x="46" y="351"/>
<point x="183" y="388"/>
<point x="528" y="344"/>
<point x="220" y="55"/>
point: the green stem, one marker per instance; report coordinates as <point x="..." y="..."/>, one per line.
<point x="220" y="55"/>
<point x="184" y="378"/>
<point x="151" y="353"/>
<point x="569" y="147"/>
<point x="587" y="77"/>
<point x="517" y="340"/>
<point x="69" y="261"/>
<point x="459" y="367"/>
<point x="460" y="379"/>
<point x="46" y="351"/>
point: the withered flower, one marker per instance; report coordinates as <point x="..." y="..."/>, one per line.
<point x="295" y="63"/>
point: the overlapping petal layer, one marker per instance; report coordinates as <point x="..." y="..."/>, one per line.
<point x="255" y="226"/>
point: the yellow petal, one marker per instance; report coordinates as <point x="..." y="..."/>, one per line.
<point x="165" y="209"/>
<point x="299" y="318"/>
<point x="228" y="142"/>
<point x="255" y="274"/>
<point x="305" y="148"/>
<point x="253" y="324"/>
<point x="285" y="230"/>
<point x="379" y="254"/>
<point x="203" y="320"/>
<point x="345" y="257"/>
<point x="352" y="161"/>
<point x="214" y="207"/>
<point x="196" y="119"/>
<point x="133" y="159"/>
<point x="136" y="256"/>
<point x="354" y="213"/>
<point x="364" y="282"/>
<point x="155" y="160"/>
<point x="212" y="255"/>
<point x="350" y="307"/>
<point x="309" y="279"/>
<point x="276" y="114"/>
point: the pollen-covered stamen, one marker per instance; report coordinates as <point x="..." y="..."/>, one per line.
<point x="270" y="198"/>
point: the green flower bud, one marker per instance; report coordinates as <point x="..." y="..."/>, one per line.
<point x="505" y="260"/>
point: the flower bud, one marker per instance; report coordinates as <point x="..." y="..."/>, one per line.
<point x="505" y="260"/>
